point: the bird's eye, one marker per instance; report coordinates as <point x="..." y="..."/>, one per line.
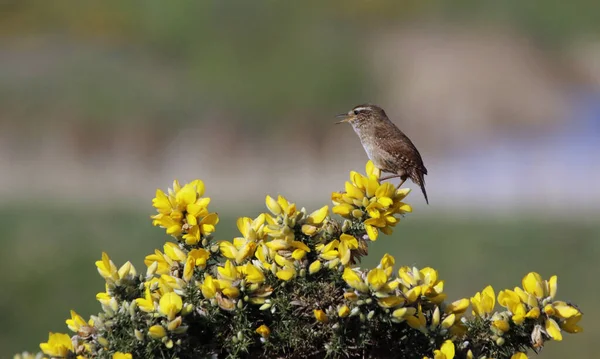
<point x="355" y="112"/>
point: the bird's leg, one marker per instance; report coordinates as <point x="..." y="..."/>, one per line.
<point x="401" y="183"/>
<point x="388" y="177"/>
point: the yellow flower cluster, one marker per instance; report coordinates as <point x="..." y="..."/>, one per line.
<point x="370" y="202"/>
<point x="195" y="277"/>
<point x="533" y="305"/>
<point x="416" y="297"/>
<point x="183" y="212"/>
<point x="448" y="351"/>
<point x="406" y="296"/>
<point x="536" y="301"/>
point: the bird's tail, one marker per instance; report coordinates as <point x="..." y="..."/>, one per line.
<point x="419" y="179"/>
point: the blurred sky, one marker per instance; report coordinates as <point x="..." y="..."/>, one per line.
<point x="108" y="101"/>
<point x="103" y="102"/>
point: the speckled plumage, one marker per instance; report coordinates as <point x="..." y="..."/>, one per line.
<point x="388" y="148"/>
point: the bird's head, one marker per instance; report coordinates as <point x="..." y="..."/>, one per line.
<point x="362" y="115"/>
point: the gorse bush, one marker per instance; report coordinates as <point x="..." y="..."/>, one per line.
<point x="288" y="287"/>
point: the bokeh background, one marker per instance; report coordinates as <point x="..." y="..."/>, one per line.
<point x="103" y="102"/>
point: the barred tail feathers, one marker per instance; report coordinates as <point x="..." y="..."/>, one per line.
<point x="418" y="177"/>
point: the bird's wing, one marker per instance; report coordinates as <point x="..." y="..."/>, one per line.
<point x="398" y="150"/>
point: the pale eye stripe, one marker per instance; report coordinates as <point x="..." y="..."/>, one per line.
<point x="359" y="109"/>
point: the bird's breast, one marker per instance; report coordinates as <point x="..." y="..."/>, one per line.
<point x="374" y="154"/>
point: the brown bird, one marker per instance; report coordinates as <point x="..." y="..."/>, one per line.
<point x="387" y="147"/>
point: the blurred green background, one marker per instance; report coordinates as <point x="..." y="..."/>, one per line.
<point x="103" y="102"/>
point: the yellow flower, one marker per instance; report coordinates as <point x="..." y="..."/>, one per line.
<point x="314" y="267"/>
<point x="209" y="287"/>
<point x="76" y="322"/>
<point x="242" y="248"/>
<point x="372" y="203"/>
<point x="106" y="268"/>
<point x="458" y="306"/>
<point x="354" y="280"/>
<point x="287" y="273"/>
<point x="119" y="355"/>
<point x="570" y="325"/>
<point x="200" y="256"/>
<point x="264" y="331"/>
<point x="173" y="251"/>
<point x="228" y="271"/>
<point x="418" y="322"/>
<point x="343" y="311"/>
<point x="501" y="325"/>
<point x="273" y="206"/>
<point x="329" y="251"/>
<point x="170" y="305"/>
<point x="346" y="244"/>
<point x="58" y="345"/>
<point x="228" y="288"/>
<point x="448" y="321"/>
<point x="157" y="332"/>
<point x="534" y="284"/>
<point x="387" y="263"/>
<point x="372" y="171"/>
<point x="281" y="206"/>
<point x="553" y="329"/>
<point x="519" y="356"/>
<point x="511" y="301"/>
<point x="483" y="303"/>
<point x="167" y="283"/>
<point x="188" y="269"/>
<point x="391" y="301"/>
<point x="446" y="351"/>
<point x="146" y="304"/>
<point x="239" y="250"/>
<point x="403" y="313"/>
<point x="204" y="228"/>
<point x="184" y="211"/>
<point x="254" y="274"/>
<point x="376" y="278"/>
<point x="104" y="298"/>
<point x="424" y="282"/>
<point x="321" y="316"/>
<point x="318" y="216"/>
<point x="535" y="301"/>
<point x="164" y="262"/>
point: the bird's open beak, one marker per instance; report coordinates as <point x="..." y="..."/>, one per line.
<point x="344" y="116"/>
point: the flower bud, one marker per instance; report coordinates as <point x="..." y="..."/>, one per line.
<point x="265" y="306"/>
<point x="435" y="318"/>
<point x="357" y="213"/>
<point x="132" y="308"/>
<point x="346" y="226"/>
<point x="187" y="309"/>
<point x="371" y="315"/>
<point x="138" y="334"/>
<point x="151" y="269"/>
<point x="174" y="324"/>
<point x="102" y="341"/>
